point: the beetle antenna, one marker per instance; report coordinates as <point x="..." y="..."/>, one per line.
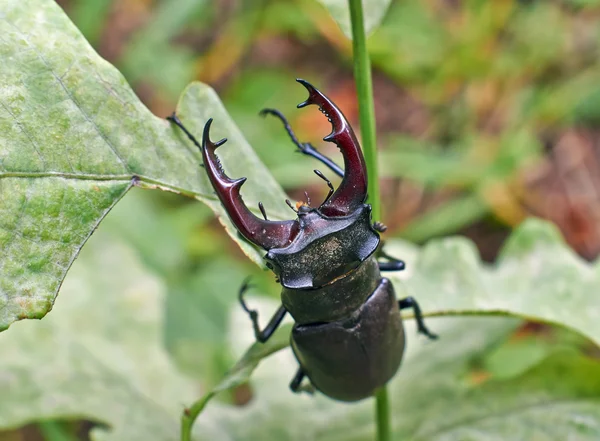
<point x="307" y="198"/>
<point x="261" y="207"/>
<point x="287" y="201"/>
<point x="329" y="184"/>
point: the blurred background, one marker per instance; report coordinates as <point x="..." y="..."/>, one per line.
<point x="487" y="112"/>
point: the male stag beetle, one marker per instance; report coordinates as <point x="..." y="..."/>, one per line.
<point x="348" y="335"/>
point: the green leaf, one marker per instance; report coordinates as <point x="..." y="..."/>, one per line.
<point x="90" y="17"/>
<point x="152" y="57"/>
<point x="74" y="138"/>
<point x="556" y="400"/>
<point x="537" y="277"/>
<point x="99" y="356"/>
<point x="243" y="369"/>
<point x="103" y="344"/>
<point x="374" y="11"/>
<point x="448" y="218"/>
<point x="276" y="410"/>
<point x="435" y="396"/>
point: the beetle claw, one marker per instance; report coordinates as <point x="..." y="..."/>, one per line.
<point x="267" y="234"/>
<point x="352" y="192"/>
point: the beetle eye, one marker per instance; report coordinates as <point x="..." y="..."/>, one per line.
<point x="271" y="264"/>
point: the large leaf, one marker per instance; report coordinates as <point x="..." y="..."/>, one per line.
<point x="202" y="276"/>
<point x="373" y="10"/>
<point x="74" y="138"/>
<point x="537" y="277"/>
<point x="99" y="355"/>
<point x="434" y="397"/>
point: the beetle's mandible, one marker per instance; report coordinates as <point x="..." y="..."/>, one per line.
<point x="348" y="335"/>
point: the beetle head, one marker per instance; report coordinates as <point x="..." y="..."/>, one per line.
<point x="324" y="243"/>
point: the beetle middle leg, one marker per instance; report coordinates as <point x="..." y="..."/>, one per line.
<point x="266" y="333"/>
<point x="410" y="302"/>
<point x="304" y="147"/>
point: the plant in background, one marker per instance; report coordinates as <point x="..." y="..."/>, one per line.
<point x="74" y="139"/>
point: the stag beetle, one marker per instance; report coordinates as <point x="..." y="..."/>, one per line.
<point x="348" y="335"/>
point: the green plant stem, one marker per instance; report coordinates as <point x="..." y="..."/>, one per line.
<point x="382" y="409"/>
<point x="364" y="88"/>
<point x="191" y="413"/>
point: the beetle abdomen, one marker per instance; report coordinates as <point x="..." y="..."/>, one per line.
<point x="349" y="359"/>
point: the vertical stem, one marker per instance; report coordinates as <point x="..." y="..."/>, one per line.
<point x="382" y="409"/>
<point x="364" y="86"/>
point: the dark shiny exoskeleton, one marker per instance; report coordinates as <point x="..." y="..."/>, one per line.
<point x="348" y="335"/>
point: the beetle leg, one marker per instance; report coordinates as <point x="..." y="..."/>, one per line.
<point x="410" y="302"/>
<point x="304" y="147"/>
<point x="393" y="264"/>
<point x="261" y="335"/>
<point x="296" y="383"/>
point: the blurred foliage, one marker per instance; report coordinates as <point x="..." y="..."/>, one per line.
<point x="471" y="97"/>
<point x="478" y="88"/>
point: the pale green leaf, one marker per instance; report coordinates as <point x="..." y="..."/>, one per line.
<point x="433" y="396"/>
<point x="537" y="277"/>
<point x="74" y="138"/>
<point x="99" y="356"/>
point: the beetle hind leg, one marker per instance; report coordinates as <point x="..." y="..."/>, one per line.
<point x="304" y="147"/>
<point x="266" y="333"/>
<point x="410" y="302"/>
<point x="296" y="385"/>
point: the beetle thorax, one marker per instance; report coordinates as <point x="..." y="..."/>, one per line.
<point x="325" y="249"/>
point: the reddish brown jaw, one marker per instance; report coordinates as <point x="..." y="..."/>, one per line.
<point x="352" y="192"/>
<point x="266" y="234"/>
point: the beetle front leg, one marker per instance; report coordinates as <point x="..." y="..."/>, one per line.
<point x="304" y="147"/>
<point x="296" y="383"/>
<point x="410" y="302"/>
<point x="393" y="264"/>
<point x="261" y="335"/>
